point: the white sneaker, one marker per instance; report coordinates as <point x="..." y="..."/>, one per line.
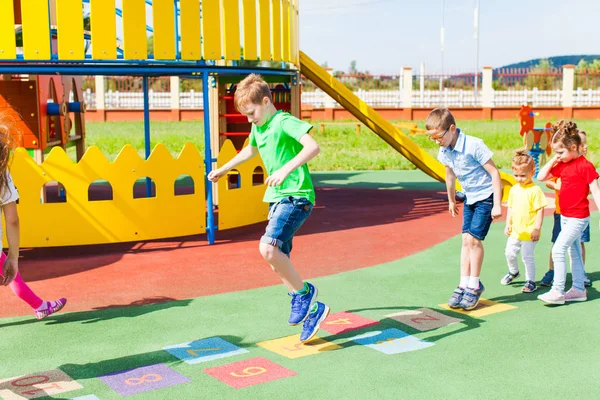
<point x="552" y="297"/>
<point x="575" y="294"/>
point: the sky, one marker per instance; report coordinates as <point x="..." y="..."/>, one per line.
<point x="385" y="35"/>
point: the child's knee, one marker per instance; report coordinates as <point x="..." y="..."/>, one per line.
<point x="474" y="243"/>
<point x="268" y="251"/>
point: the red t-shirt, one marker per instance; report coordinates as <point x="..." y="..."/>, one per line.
<point x="575" y="176"/>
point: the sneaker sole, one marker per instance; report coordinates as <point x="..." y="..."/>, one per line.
<point x="472" y="307"/>
<point x="318" y="325"/>
<point x="312" y="303"/>
<point x="555" y="303"/>
<point x="577" y="299"/>
<point x="545" y="284"/>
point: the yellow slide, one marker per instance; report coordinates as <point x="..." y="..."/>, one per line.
<point x="382" y="127"/>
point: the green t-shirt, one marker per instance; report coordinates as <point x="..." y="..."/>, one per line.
<point x="278" y="141"/>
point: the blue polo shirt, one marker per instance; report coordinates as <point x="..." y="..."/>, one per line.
<point x="466" y="159"/>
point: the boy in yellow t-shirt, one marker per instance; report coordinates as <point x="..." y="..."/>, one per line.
<point x="526" y="203"/>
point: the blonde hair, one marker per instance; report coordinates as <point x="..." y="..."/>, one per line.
<point x="522" y="157"/>
<point x="7" y="144"/>
<point x="439" y="118"/>
<point x="566" y="133"/>
<point x="252" y="89"/>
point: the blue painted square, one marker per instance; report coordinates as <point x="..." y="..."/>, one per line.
<point x="204" y="350"/>
<point x="391" y="341"/>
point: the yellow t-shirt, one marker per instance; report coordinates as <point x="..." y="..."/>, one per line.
<point x="524" y="202"/>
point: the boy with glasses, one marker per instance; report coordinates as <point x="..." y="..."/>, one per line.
<point x="469" y="160"/>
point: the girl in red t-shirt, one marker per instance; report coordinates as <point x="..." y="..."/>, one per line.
<point x="578" y="177"/>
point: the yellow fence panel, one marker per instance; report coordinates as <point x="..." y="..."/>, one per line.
<point x="211" y="30"/>
<point x="231" y="212"/>
<point x="276" y="29"/>
<point x="135" y="45"/>
<point x="8" y="43"/>
<point x="231" y="18"/>
<point x="69" y="20"/>
<point x="250" y="42"/>
<point x="265" y="29"/>
<point x="285" y="30"/>
<point x="104" y="29"/>
<point x="36" y="29"/>
<point x="190" y="29"/>
<point x="79" y="221"/>
<point x="163" y="13"/>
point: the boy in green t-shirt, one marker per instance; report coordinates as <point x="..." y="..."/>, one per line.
<point x="285" y="147"/>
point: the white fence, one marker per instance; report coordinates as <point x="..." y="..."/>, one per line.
<point x="375" y="98"/>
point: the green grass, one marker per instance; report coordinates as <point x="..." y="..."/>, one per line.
<point x="341" y="147"/>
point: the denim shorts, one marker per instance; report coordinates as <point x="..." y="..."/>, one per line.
<point x="477" y="218"/>
<point x="585" y="236"/>
<point x="285" y="218"/>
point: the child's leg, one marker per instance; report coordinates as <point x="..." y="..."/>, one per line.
<point x="282" y="265"/>
<point x="475" y="256"/>
<point x="465" y="263"/>
<point x="478" y="230"/>
<point x="285" y="218"/>
<point x="24" y="292"/>
<point x="20" y="288"/>
<point x="555" y="233"/>
<point x="577" y="261"/>
<point x="570" y="234"/>
<point x="577" y="265"/>
<point x="528" y="258"/>
<point x="513" y="246"/>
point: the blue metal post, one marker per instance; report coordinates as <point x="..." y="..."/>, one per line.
<point x="210" y="215"/>
<point x="147" y="130"/>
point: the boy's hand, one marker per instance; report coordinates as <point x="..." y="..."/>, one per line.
<point x="535" y="235"/>
<point x="9" y="271"/>
<point x="508" y="230"/>
<point x="496" y="211"/>
<point x="453" y="208"/>
<point x="557" y="184"/>
<point x="215" y="174"/>
<point x="276" y="178"/>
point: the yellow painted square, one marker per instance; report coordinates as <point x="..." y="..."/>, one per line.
<point x="291" y="347"/>
<point x="485" y="307"/>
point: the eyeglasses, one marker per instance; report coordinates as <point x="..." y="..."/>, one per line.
<point x="439" y="137"/>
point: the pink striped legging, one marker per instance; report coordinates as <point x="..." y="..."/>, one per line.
<point x="20" y="288"/>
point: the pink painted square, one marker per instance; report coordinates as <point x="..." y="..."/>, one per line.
<point x="250" y="372"/>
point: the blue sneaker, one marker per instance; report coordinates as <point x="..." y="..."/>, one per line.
<point x="548" y="278"/>
<point x="313" y="322"/>
<point x="301" y="304"/>
<point x="470" y="299"/>
<point x="587" y="282"/>
<point x="456" y="297"/>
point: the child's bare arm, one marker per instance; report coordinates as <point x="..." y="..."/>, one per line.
<point x="244" y="155"/>
<point x="539" y="218"/>
<point x="595" y="192"/>
<point x="491" y="168"/>
<point x="13" y="234"/>
<point x="544" y="173"/>
<point x="451" y="188"/>
<point x="309" y="151"/>
<point x="553" y="184"/>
